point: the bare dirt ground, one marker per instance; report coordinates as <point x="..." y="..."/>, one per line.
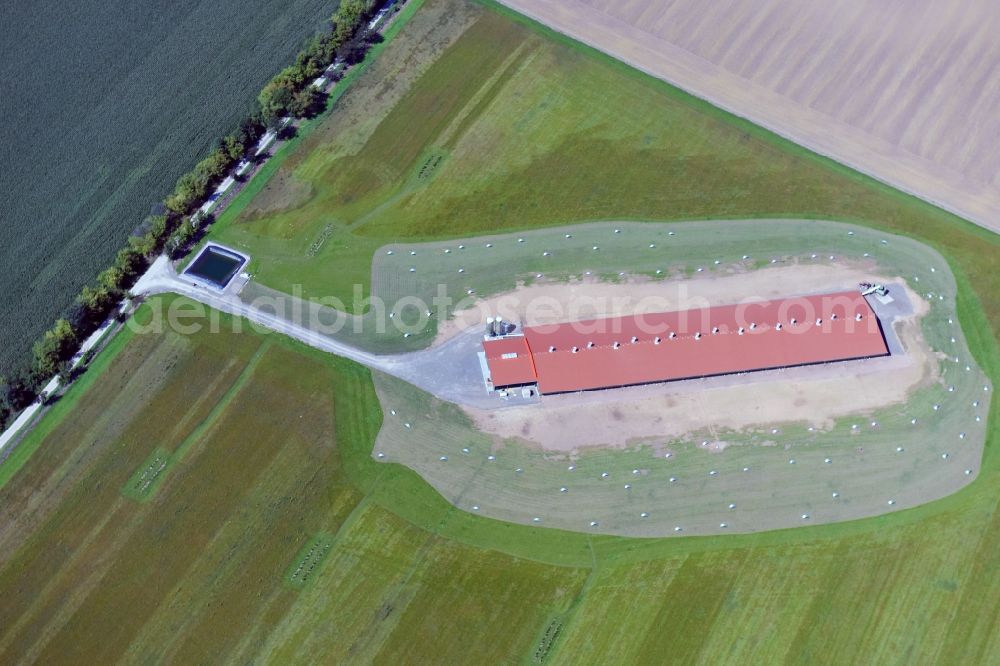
<point x="713" y="406"/>
<point x="904" y="90"/>
<point x="548" y="302"/>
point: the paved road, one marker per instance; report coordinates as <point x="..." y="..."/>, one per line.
<point x="161" y="278"/>
<point x="449" y="371"/>
<point x="29" y="412"/>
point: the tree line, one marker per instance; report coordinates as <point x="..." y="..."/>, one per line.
<point x="289" y="94"/>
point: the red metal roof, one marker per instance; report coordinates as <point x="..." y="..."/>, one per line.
<point x="641" y="349"/>
<point x="510" y="361"/>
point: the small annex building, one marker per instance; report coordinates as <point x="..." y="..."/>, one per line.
<point x="644" y="349"/>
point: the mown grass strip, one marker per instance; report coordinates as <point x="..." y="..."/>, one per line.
<point x="150" y="475"/>
<point x="220" y="408"/>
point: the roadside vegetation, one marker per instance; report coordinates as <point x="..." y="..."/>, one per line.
<point x="289" y="94"/>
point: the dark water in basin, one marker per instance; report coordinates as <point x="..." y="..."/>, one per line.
<point x="215" y="265"/>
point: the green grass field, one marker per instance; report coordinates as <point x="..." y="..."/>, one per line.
<point x="211" y="565"/>
<point x="273" y="441"/>
<point x="534" y="130"/>
<point x="558" y="134"/>
<point x="104" y="107"/>
<point x="278" y="459"/>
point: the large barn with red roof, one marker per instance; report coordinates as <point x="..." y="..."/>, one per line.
<point x="644" y="349"/>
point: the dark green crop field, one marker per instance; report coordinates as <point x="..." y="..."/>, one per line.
<point x="104" y="105"/>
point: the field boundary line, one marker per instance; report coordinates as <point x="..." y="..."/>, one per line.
<point x="681" y="68"/>
<point x="213" y="416"/>
<point x="734" y="119"/>
<point x="565" y="618"/>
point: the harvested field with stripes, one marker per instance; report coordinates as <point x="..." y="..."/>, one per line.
<point x="905" y="91"/>
<point x="256" y="544"/>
